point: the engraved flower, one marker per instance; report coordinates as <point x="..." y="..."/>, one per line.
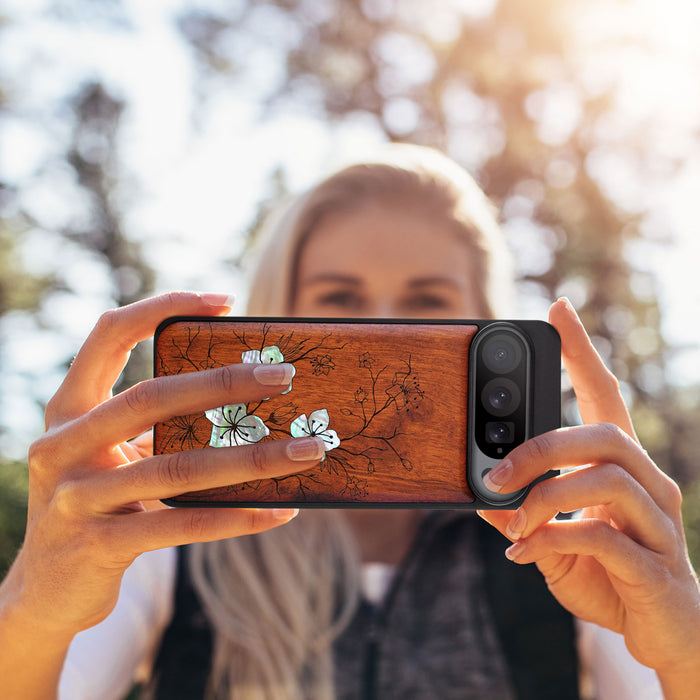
<point x="269" y="355"/>
<point x="405" y="391"/>
<point x="366" y="360"/>
<point x="315" y="425"/>
<point x="355" y="486"/>
<point x="233" y="426"/>
<point x="182" y="432"/>
<point x="282" y="414"/>
<point x="360" y="395"/>
<point x="322" y="364"/>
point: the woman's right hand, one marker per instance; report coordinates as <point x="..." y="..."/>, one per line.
<point x="88" y="513"/>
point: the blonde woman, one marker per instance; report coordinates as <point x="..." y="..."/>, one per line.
<point x="333" y="604"/>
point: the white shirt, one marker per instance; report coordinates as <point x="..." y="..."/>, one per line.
<point x="104" y="661"/>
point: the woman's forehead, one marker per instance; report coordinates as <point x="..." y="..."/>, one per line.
<point x="383" y="237"/>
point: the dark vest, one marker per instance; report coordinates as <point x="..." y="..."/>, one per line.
<point x="460" y="621"/>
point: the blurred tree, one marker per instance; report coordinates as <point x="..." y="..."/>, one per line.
<point x="18" y="291"/>
<point x="500" y="86"/>
<point x="93" y="231"/>
<point x="93" y="154"/>
<point x="22" y="291"/>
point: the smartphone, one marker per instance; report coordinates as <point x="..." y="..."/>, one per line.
<point x="413" y="413"/>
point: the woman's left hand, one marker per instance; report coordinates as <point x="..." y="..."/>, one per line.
<point x="623" y="564"/>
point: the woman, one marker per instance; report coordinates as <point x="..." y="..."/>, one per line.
<point x="275" y="602"/>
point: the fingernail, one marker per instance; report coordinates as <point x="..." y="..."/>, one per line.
<point x="499" y="476"/>
<point x="218" y="299"/>
<point x="515" y="550"/>
<point x="306" y="448"/>
<point x="569" y="306"/>
<point x="517" y="525"/>
<point x="274" y="375"/>
<point x="285" y="514"/>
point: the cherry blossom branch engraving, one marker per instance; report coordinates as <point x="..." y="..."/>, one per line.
<point x="358" y="436"/>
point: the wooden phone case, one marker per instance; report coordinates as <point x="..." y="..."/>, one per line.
<point x="389" y="398"/>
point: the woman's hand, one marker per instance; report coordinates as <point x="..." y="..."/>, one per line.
<point x="89" y="515"/>
<point x="623" y="564"/>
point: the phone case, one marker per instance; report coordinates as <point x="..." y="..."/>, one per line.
<point x="389" y="398"/>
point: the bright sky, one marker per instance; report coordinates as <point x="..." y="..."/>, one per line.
<point x="195" y="188"/>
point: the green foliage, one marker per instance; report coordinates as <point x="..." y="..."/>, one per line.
<point x="14" y="483"/>
<point x="691" y="521"/>
<point x="18" y="290"/>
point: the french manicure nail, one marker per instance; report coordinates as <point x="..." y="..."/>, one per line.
<point x="274" y="375"/>
<point x="515" y="550"/>
<point x="569" y="306"/>
<point x="285" y="514"/>
<point x="218" y="299"/>
<point x="517" y="525"/>
<point x="305" y="448"/>
<point x="499" y="476"/>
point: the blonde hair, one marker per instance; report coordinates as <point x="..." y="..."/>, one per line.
<point x="404" y="175"/>
<point x="277" y="600"/>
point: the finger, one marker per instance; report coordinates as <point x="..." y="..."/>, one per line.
<point x="579" y="445"/>
<point x="618" y="554"/>
<point x="156" y="529"/>
<point x="596" y="388"/>
<point x="606" y="486"/>
<point x="138" y="448"/>
<point x="155" y="400"/>
<point x="165" y="476"/>
<point x="143" y="444"/>
<point x="131" y="452"/>
<point x="102" y="358"/>
<point x="497" y="518"/>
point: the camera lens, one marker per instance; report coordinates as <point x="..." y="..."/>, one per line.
<point x="502" y="353"/>
<point x="500" y="396"/>
<point x="499" y="432"/>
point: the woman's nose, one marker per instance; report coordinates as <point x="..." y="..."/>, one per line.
<point x="383" y="308"/>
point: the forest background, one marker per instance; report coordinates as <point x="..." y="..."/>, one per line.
<point x="140" y="143"/>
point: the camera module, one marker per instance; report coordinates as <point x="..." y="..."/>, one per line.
<point x="501" y="395"/>
<point x="505" y="359"/>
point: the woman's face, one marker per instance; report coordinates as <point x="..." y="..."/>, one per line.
<point x="385" y="261"/>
